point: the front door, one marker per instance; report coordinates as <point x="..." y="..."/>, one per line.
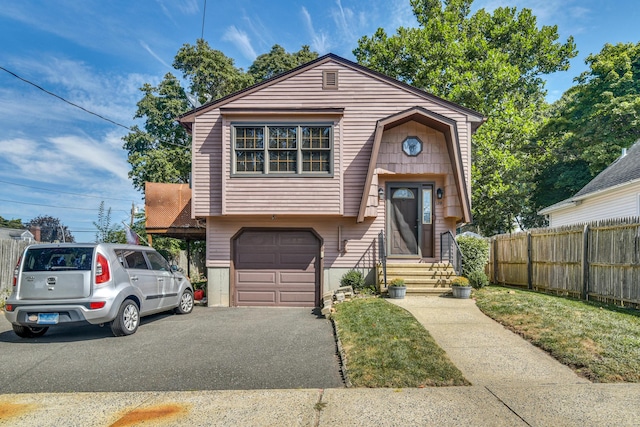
<point x="403" y="220"/>
<point x="410" y="219"/>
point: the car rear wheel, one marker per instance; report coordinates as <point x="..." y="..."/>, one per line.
<point x="127" y="320"/>
<point x="29" y="331"/>
<point x="186" y="303"/>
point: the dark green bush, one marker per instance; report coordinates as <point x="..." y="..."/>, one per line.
<point x="353" y="278"/>
<point x="478" y="279"/>
<point x="475" y="254"/>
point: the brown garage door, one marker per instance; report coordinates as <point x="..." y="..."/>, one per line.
<point x="276" y="268"/>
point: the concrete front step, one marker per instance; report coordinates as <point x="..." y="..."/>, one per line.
<point x="420" y="278"/>
<point x="428" y="291"/>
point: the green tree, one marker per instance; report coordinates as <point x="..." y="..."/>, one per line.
<point x="51" y="229"/>
<point x="162" y="151"/>
<point x="277" y="61"/>
<point x="492" y="63"/>
<point x="210" y="73"/>
<point x="591" y="123"/>
<point x="107" y="232"/>
<point x="11" y="223"/>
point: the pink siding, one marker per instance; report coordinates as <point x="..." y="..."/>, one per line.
<point x="359" y="236"/>
<point x="432" y="164"/>
<point x="364" y="99"/>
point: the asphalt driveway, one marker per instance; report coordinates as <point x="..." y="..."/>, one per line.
<point x="209" y="349"/>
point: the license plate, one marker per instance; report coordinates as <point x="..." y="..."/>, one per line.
<point x="48" y="318"/>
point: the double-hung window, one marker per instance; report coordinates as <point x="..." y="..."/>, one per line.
<point x="296" y="149"/>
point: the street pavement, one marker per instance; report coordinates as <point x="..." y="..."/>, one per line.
<point x="513" y="384"/>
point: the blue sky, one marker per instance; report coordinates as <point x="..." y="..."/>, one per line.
<point x="58" y="160"/>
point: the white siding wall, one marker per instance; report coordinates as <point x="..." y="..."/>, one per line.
<point x="617" y="203"/>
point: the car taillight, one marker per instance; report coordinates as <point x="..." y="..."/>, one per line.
<point x="94" y="305"/>
<point x="8" y="307"/>
<point x="102" y="269"/>
<point x="15" y="272"/>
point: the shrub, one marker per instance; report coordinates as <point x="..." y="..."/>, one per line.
<point x="398" y="281"/>
<point x="352" y="278"/>
<point x="475" y="254"/>
<point x="478" y="279"/>
<point x="460" y="281"/>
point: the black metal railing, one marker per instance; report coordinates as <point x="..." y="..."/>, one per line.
<point x="450" y="251"/>
<point x="382" y="254"/>
<point x="367" y="261"/>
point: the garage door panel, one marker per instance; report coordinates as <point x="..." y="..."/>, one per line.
<point x="256" y="297"/>
<point x="256" y="277"/>
<point x="299" y="298"/>
<point x="258" y="238"/>
<point x="296" y="277"/>
<point x="296" y="238"/>
<point x="276" y="267"/>
<point x="297" y="260"/>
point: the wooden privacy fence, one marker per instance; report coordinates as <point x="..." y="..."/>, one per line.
<point x="10" y="250"/>
<point x="596" y="261"/>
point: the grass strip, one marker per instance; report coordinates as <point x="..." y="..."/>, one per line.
<point x="385" y="346"/>
<point x="600" y="342"/>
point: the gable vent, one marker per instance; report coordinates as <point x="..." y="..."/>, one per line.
<point x="329" y="79"/>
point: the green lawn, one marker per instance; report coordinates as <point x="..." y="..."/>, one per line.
<point x="600" y="342"/>
<point x="385" y="346"/>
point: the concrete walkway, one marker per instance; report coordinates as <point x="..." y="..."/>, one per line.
<point x="514" y="384"/>
<point x="486" y="352"/>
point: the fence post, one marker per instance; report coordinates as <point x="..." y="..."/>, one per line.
<point x="585" y="263"/>
<point x="495" y="260"/>
<point x="529" y="263"/>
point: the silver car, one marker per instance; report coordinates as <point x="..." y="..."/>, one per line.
<point x="96" y="283"/>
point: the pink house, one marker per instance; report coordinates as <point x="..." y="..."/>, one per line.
<point x="300" y="176"/>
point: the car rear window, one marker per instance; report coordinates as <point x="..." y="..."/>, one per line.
<point x="48" y="259"/>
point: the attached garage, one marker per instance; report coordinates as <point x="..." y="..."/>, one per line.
<point x="276" y="268"/>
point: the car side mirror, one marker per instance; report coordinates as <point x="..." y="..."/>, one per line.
<point x="174" y="268"/>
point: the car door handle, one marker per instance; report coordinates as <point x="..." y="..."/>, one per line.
<point x="160" y="279"/>
<point x="134" y="278"/>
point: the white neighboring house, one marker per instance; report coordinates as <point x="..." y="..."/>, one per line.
<point x="614" y="193"/>
<point x="16" y="234"/>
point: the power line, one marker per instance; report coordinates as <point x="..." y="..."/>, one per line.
<point x="58" y="207"/>
<point x="84" y="109"/>
<point x="62" y="99"/>
<point x="204" y="13"/>
<point x="64" y="192"/>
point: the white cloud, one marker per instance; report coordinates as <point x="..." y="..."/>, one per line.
<point x="241" y="40"/>
<point x="343" y="18"/>
<point x="65" y="158"/>
<point x="401" y="15"/>
<point x="95" y="155"/>
<point x="152" y="53"/>
<point x="188" y="7"/>
<point x="319" y="41"/>
<point x="259" y="31"/>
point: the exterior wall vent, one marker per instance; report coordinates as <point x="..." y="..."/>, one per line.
<point x="330" y="79"/>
